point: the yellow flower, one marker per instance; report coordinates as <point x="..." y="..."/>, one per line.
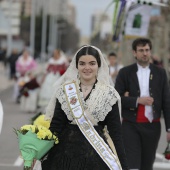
<point x="33" y="128"/>
<point x="41" y="134"/>
<point x="28" y="127"/>
<point x="41" y="121"/>
<point x="55" y="139"/>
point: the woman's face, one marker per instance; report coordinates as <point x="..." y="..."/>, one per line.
<point x="56" y="55"/>
<point x="25" y="55"/>
<point x="87" y="67"/>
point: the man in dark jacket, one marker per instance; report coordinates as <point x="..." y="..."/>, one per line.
<point x="12" y="61"/>
<point x="145" y="94"/>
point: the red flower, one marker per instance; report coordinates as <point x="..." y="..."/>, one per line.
<point x="26" y="94"/>
<point x="167" y="156"/>
<point x="167" y="151"/>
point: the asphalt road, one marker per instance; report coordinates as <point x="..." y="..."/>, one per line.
<point x="14" y="118"/>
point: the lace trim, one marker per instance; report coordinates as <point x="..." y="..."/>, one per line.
<point x="99" y="104"/>
<point x="101" y="100"/>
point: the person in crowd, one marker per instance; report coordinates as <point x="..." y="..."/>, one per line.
<point x="82" y="143"/>
<point x="56" y="67"/>
<point x="157" y="61"/>
<point x="29" y="92"/>
<point x="114" y="66"/>
<point x="145" y="94"/>
<point x="24" y="64"/>
<point x="12" y="63"/>
<point x="3" y="57"/>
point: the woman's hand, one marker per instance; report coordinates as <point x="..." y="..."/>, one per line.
<point x="34" y="161"/>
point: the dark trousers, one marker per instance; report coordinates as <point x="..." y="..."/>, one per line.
<point x="141" y="141"/>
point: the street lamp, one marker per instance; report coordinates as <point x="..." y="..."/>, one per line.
<point x="44" y="29"/>
<point x="32" y="27"/>
<point x="9" y="35"/>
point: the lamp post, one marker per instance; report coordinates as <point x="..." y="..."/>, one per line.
<point x="9" y="35"/>
<point x="32" y="27"/>
<point x="52" y="41"/>
<point x="44" y="30"/>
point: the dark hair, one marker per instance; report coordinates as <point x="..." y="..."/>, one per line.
<point x="112" y="54"/>
<point x="88" y="50"/>
<point x="141" y="42"/>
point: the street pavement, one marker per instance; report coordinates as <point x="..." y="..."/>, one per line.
<point x="160" y="162"/>
<point x="14" y="118"/>
<point x="5" y="82"/>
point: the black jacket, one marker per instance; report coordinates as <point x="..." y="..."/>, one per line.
<point x="127" y="80"/>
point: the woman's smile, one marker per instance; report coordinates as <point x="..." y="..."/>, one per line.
<point x="88" y="68"/>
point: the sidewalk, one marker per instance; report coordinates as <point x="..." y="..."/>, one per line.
<point x="5" y="82"/>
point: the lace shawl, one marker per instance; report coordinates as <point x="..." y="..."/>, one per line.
<point x="98" y="105"/>
<point x="101" y="98"/>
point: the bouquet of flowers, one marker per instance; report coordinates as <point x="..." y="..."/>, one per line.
<point x="34" y="142"/>
<point x="167" y="151"/>
<point x="40" y="120"/>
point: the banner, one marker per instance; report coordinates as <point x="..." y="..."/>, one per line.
<point x="132" y="18"/>
<point x="120" y="19"/>
<point x="115" y="13"/>
<point x="137" y="21"/>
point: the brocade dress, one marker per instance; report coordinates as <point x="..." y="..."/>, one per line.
<point x="74" y="152"/>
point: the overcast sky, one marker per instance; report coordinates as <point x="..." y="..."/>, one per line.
<point x="85" y="9"/>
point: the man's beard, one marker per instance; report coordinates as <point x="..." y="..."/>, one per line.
<point x="146" y="62"/>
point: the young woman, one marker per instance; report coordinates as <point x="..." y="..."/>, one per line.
<point x="24" y="64"/>
<point x="83" y="104"/>
<point x="56" y="67"/>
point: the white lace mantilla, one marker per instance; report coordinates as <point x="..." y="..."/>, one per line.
<point x="98" y="105"/>
<point x="101" y="99"/>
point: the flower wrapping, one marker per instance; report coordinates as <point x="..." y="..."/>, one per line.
<point x="167" y="151"/>
<point x="34" y="142"/>
<point x="33" y="148"/>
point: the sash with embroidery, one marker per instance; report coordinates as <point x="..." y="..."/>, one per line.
<point x="87" y="128"/>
